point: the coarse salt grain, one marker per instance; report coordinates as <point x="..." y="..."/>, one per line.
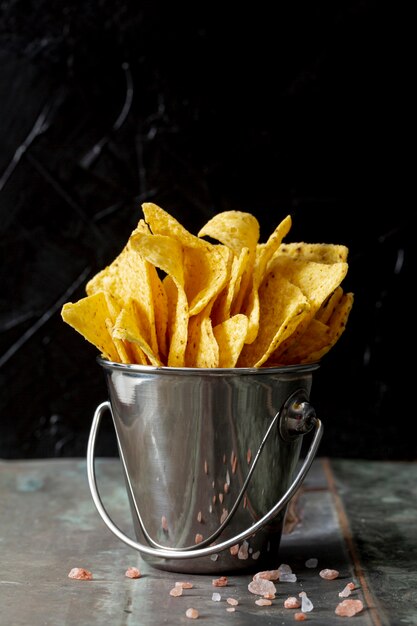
<point x="198" y="538"/>
<point x="300" y="617"/>
<point x="176" y="591"/>
<point x="192" y="613"/>
<point x="329" y="574"/>
<point x="132" y="572"/>
<point x="220" y="582"/>
<point x="230" y="609"/>
<point x="184" y="584"/>
<point x="292" y="603"/>
<point x="232" y="601"/>
<point x="216" y="597"/>
<point x="262" y="587"/>
<point x="243" y="553"/>
<point x="263" y="602"/>
<point x="270" y="574"/>
<point x="306" y="603"/>
<point x="79" y="573"/>
<point x="349" y="608"/>
<point x="234" y="549"/>
<point x="347" y="590"/>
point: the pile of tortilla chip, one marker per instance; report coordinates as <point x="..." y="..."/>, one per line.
<point x="218" y="299"/>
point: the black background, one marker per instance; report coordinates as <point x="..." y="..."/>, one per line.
<point x="298" y="108"/>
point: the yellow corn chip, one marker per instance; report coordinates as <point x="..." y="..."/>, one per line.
<point x="88" y="316"/>
<point x="283" y="306"/>
<point x="167" y="254"/>
<point x="230" y="336"/>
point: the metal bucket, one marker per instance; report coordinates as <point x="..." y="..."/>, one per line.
<point x="209" y="457"/>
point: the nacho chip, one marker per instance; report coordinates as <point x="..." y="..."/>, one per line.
<point x="128" y="328"/>
<point x="88" y="317"/>
<point x="315" y="280"/>
<point x="337" y="326"/>
<point x="264" y="253"/>
<point x="222" y="307"/>
<point x="202" y="348"/>
<point x="204" y="264"/>
<point x="167" y="254"/>
<point x="326" y="310"/>
<point x="131" y="276"/>
<point x="283" y="306"/>
<point x="318" y="252"/>
<point x="230" y="336"/>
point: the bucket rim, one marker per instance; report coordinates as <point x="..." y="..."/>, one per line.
<point x="208" y="371"/>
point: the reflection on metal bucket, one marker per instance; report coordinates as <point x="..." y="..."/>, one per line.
<point x="209" y="457"/>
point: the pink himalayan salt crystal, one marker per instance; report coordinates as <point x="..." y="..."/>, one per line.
<point x="230" y="609"/>
<point x="176" y="591"/>
<point x="184" y="584"/>
<point x="262" y="587"/>
<point x="192" y="613"/>
<point x="234" y="549"/>
<point x="164" y="523"/>
<point x="347" y="590"/>
<point x="263" y="602"/>
<point x="79" y="573"/>
<point x="270" y="574"/>
<point x="349" y="608"/>
<point x="198" y="538"/>
<point x="220" y="582"/>
<point x="232" y="601"/>
<point x="132" y="572"/>
<point x="300" y="617"/>
<point x="329" y="574"/>
<point x="292" y="603"/>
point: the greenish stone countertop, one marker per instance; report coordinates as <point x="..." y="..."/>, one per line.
<point x="356" y="516"/>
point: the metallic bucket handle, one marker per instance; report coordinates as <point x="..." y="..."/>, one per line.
<point x="175" y="553"/>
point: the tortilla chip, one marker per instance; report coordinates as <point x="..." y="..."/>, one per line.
<point x="318" y="252"/>
<point x="202" y="348"/>
<point x="167" y="254"/>
<point x="88" y="317"/>
<point x="283" y="306"/>
<point x="128" y="328"/>
<point x="230" y="336"/>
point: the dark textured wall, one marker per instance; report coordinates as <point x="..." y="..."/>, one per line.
<point x="293" y="110"/>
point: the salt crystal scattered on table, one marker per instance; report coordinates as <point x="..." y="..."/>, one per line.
<point x="79" y="573"/>
<point x="270" y="574"/>
<point x="184" y="584"/>
<point x="192" y="613"/>
<point x="220" y="582"/>
<point x="329" y="574"/>
<point x="311" y="563"/>
<point x="263" y="602"/>
<point x="216" y="597"/>
<point x="234" y="549"/>
<point x="288" y="578"/>
<point x="230" y="609"/>
<point x="349" y="608"/>
<point x="300" y="617"/>
<point x="292" y="603"/>
<point x="132" y="572"/>
<point x="262" y="587"/>
<point x="176" y="591"/>
<point x="306" y="603"/>
<point x="232" y="601"/>
<point x="347" y="590"/>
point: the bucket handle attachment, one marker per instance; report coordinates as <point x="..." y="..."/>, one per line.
<point x="297" y="417"/>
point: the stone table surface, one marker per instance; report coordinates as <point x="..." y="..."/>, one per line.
<point x="356" y="516"/>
